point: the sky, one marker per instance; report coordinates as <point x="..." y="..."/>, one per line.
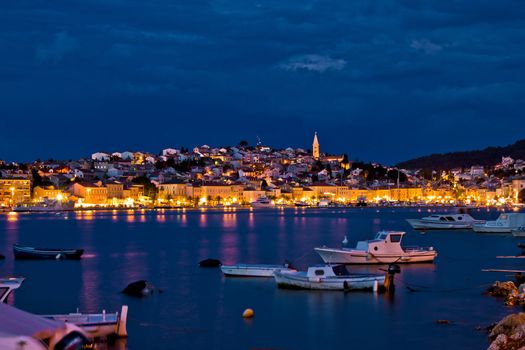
<point x="382" y="81"/>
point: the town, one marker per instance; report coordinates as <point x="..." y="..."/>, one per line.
<point x="242" y="175"/>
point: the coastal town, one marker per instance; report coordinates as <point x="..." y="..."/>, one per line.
<point x="242" y="175"/>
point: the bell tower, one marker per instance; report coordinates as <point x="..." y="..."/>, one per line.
<point x="315" y="147"/>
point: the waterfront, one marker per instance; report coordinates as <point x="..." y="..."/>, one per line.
<point x="201" y="309"/>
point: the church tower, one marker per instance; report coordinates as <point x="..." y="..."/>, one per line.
<point x="315" y="147"/>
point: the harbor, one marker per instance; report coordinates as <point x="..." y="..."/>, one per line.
<point x="201" y="308"/>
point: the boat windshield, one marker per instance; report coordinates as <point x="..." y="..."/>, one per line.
<point x="3" y="292"/>
<point x="381" y="235"/>
<point x="450" y="218"/>
<point x="340" y="270"/>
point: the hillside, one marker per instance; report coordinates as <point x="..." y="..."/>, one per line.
<point x="486" y="157"/>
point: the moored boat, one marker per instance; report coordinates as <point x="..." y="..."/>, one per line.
<point x="444" y="222"/>
<point x="505" y="223"/>
<point x="328" y="277"/>
<point x="518" y="232"/>
<point x="22" y="252"/>
<point x="97" y="325"/>
<point x="385" y="248"/>
<point x="262" y="202"/>
<point x="254" y="270"/>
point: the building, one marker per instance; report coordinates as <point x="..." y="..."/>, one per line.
<point x="14" y="191"/>
<point x="41" y="193"/>
<point x="115" y="190"/>
<point x="315" y="147"/>
<point x="90" y="194"/>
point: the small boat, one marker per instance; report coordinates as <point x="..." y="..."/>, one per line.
<point x="46" y="253"/>
<point x="518" y="232"/>
<point x="444" y="222"/>
<point x="97" y="325"/>
<point x="45" y="206"/>
<point x="9" y="284"/>
<point x="301" y="204"/>
<point x="262" y="202"/>
<point x="505" y="223"/>
<point x="328" y="277"/>
<point x="255" y="270"/>
<point x="385" y="248"/>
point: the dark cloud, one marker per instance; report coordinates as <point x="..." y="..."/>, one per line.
<point x="380" y="80"/>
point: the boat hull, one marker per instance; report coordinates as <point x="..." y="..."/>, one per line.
<point x="253" y="270"/>
<point x="40" y="253"/>
<point x="492" y="229"/>
<point x="349" y="256"/>
<point x="352" y="282"/>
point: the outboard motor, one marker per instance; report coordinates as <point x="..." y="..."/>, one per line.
<point x="389" y="279"/>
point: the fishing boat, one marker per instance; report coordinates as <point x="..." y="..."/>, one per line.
<point x="444" y="222"/>
<point x="385" y="248"/>
<point x="505" y="223"/>
<point x="328" y="277"/>
<point x="9" y="284"/>
<point x="262" y="202"/>
<point x="255" y="270"/>
<point x="22" y="252"/>
<point x="518" y="232"/>
<point x="97" y="325"/>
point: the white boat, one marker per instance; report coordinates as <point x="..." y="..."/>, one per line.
<point x="444" y="222"/>
<point x="385" y="248"/>
<point x="262" y="202"/>
<point x="97" y="325"/>
<point x="505" y="223"/>
<point x="328" y="277"/>
<point x="7" y="285"/>
<point x="45" y="206"/>
<point x="254" y="270"/>
<point x="518" y="232"/>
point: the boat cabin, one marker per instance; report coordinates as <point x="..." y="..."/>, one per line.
<point x="384" y="242"/>
<point x="449" y="218"/>
<point x="511" y="219"/>
<point x="323" y="271"/>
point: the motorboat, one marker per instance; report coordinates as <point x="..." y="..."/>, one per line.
<point x="44" y="206"/>
<point x="301" y="204"/>
<point x="22" y="252"/>
<point x="255" y="270"/>
<point x="7" y="285"/>
<point x="444" y="222"/>
<point x="518" y="232"/>
<point x="385" y="248"/>
<point x="505" y="223"/>
<point x="262" y="202"/>
<point x="97" y="325"/>
<point x="328" y="277"/>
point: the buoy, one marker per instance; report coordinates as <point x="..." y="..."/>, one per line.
<point x="248" y="313"/>
<point x="345" y="240"/>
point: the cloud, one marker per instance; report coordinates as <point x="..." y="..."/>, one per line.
<point x="55" y="51"/>
<point x="426" y="46"/>
<point x="315" y="63"/>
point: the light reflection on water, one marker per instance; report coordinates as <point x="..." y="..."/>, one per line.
<point x="201" y="309"/>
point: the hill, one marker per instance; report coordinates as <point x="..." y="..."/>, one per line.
<point x="486" y="157"/>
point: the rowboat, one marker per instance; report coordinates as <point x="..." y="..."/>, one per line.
<point x="385" y="248"/>
<point x="22" y="252"/>
<point x="329" y="277"/>
<point x="97" y="325"/>
<point x="254" y="270"/>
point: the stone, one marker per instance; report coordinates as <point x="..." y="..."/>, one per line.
<point x="502" y="289"/>
<point x="509" y="333"/>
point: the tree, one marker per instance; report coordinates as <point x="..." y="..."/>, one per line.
<point x="243" y="143"/>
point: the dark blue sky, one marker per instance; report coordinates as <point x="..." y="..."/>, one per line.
<point x="380" y="80"/>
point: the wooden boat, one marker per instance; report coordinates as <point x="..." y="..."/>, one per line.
<point x="9" y="284"/>
<point x="385" y="248"/>
<point x="46" y="253"/>
<point x="254" y="270"/>
<point x="97" y="325"/>
<point x="328" y="277"/>
<point x="444" y="222"/>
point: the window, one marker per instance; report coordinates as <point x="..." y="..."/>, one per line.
<point x="319" y="272"/>
<point x="450" y="218"/>
<point x="395" y="238"/>
<point x="3" y="291"/>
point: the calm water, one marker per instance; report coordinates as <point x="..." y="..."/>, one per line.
<point x="200" y="309"/>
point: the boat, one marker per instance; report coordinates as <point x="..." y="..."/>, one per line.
<point x="518" y="232"/>
<point x="97" y="325"/>
<point x="22" y="252"/>
<point x="444" y="222"/>
<point x="262" y="202"/>
<point x="45" y="206"/>
<point x="301" y="204"/>
<point x="328" y="277"/>
<point x="505" y="223"/>
<point x="385" y="248"/>
<point x="255" y="270"/>
<point x="7" y="285"/>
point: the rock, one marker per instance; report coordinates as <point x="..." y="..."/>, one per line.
<point x="210" y="263"/>
<point x="509" y="333"/>
<point x="502" y="289"/>
<point x="140" y="289"/>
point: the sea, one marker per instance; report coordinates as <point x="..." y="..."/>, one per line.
<point x="199" y="308"/>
